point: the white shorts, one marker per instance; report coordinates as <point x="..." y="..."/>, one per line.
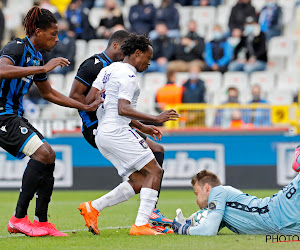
<point x="124" y="148"/>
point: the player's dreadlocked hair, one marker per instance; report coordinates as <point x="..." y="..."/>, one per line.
<point x="206" y="177"/>
<point x="118" y="37"/>
<point x="134" y="42"/>
<point x="38" y="18"/>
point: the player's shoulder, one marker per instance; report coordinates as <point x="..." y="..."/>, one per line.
<point x="16" y="44"/>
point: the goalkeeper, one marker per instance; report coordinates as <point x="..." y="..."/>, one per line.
<point x="240" y="212"/>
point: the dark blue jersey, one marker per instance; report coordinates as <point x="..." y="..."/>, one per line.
<point x="23" y="54"/>
<point x="87" y="74"/>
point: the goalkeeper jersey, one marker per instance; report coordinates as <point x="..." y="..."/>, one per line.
<point x="246" y="214"/>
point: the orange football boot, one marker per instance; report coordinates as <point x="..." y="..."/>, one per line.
<point x="90" y="215"/>
<point x="143" y="230"/>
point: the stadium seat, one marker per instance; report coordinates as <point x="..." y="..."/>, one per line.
<point x="287" y="15"/>
<point x="293" y="63"/>
<point x="288" y="81"/>
<point x="96" y="46"/>
<point x="280" y="97"/>
<point x="223" y="13"/>
<point x="258" y="4"/>
<point x="276" y="64"/>
<point x="153" y="81"/>
<point x="213" y="80"/>
<point x="204" y="15"/>
<point x="280" y="47"/>
<point x="266" y="80"/>
<point x="286" y="3"/>
<point x="13" y="19"/>
<point x="185" y="13"/>
<point x="125" y="14"/>
<point x="146" y="101"/>
<point x="57" y="81"/>
<point x="230" y="2"/>
<point x="95" y="16"/>
<point x="236" y="79"/>
<point x="81" y="46"/>
<point x="20" y="6"/>
<point x="69" y="78"/>
<point x="129" y="3"/>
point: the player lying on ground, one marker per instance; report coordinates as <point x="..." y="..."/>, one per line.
<point x="240" y="212"/>
<point x="20" y="64"/>
<point x="86" y="75"/>
<point x="116" y="140"/>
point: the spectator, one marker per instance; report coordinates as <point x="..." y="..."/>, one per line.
<point x="207" y="2"/>
<point x="168" y="14"/>
<point x="141" y="17"/>
<point x="184" y="2"/>
<point x="101" y="3"/>
<point x="218" y="52"/>
<point x="163" y="50"/>
<point x="259" y="117"/>
<point x="250" y="54"/>
<point x="88" y="4"/>
<point x="170" y="94"/>
<point x="79" y="21"/>
<point x="239" y="13"/>
<point x="193" y="90"/>
<point x="189" y="51"/>
<point x="65" y="47"/>
<point x="223" y="116"/>
<point x="235" y="37"/>
<point x="270" y="19"/>
<point x="111" y="18"/>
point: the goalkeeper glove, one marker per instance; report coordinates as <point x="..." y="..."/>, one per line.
<point x="181" y="228"/>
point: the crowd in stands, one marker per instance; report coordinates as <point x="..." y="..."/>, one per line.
<point x="239" y="45"/>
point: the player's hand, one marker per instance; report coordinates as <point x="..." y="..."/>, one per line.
<point x="180" y="228"/>
<point x="98" y="100"/>
<point x="53" y="63"/>
<point x="167" y="115"/>
<point x="153" y="131"/>
<point x="179" y="216"/>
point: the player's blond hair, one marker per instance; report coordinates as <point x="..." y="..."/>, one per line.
<point x="206" y="177"/>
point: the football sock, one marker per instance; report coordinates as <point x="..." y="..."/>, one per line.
<point x="30" y="182"/>
<point x="121" y="193"/>
<point x="159" y="156"/>
<point x="44" y="192"/>
<point x="148" y="198"/>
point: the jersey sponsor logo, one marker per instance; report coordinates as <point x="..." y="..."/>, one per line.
<point x="131" y="76"/>
<point x="144" y="144"/>
<point x="3" y="128"/>
<point x="18" y="42"/>
<point x="97" y="61"/>
<point x="24" y="130"/>
<point x="28" y="59"/>
<point x="212" y="206"/>
<point x="105" y="78"/>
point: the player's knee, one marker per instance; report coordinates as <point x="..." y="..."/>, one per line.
<point x="157" y="171"/>
<point x="158" y="148"/>
<point x="43" y="154"/>
<point x="52" y="156"/>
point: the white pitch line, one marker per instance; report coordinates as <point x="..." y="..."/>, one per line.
<point x="64" y="231"/>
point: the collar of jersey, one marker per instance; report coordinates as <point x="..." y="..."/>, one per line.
<point x="33" y="50"/>
<point x="107" y="57"/>
<point x="132" y="67"/>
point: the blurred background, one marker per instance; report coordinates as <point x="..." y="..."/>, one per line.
<point x="229" y="67"/>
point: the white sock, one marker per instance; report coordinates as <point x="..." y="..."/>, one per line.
<point x="121" y="193"/>
<point x="148" y="200"/>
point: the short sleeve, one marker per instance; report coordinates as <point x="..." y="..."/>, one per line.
<point x="98" y="84"/>
<point x="217" y="200"/>
<point x="40" y="77"/>
<point x="127" y="87"/>
<point x="88" y="71"/>
<point x="14" y="51"/>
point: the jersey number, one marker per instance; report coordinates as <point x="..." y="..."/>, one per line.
<point x="290" y="193"/>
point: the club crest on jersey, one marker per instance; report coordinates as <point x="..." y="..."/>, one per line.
<point x="24" y="130"/>
<point x="105" y="78"/>
<point x="144" y="144"/>
<point x="212" y="205"/>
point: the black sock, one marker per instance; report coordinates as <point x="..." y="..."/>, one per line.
<point x="30" y="182"/>
<point x="159" y="156"/>
<point x="44" y="192"/>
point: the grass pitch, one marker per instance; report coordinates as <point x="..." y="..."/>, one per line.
<point x="115" y="223"/>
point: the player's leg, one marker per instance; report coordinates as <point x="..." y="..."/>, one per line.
<point x="296" y="162"/>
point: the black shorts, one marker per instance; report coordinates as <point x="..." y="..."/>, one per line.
<point x="15" y="132"/>
<point x="88" y="134"/>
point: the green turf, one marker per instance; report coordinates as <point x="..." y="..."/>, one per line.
<point x="63" y="212"/>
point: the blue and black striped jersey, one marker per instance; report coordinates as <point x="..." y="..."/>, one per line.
<point x="23" y="54"/>
<point x="87" y="74"/>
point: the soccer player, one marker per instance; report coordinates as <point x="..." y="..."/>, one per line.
<point x="240" y="212"/>
<point x="20" y="64"/>
<point x="86" y="75"/>
<point x="116" y="140"/>
<point x="296" y="162"/>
